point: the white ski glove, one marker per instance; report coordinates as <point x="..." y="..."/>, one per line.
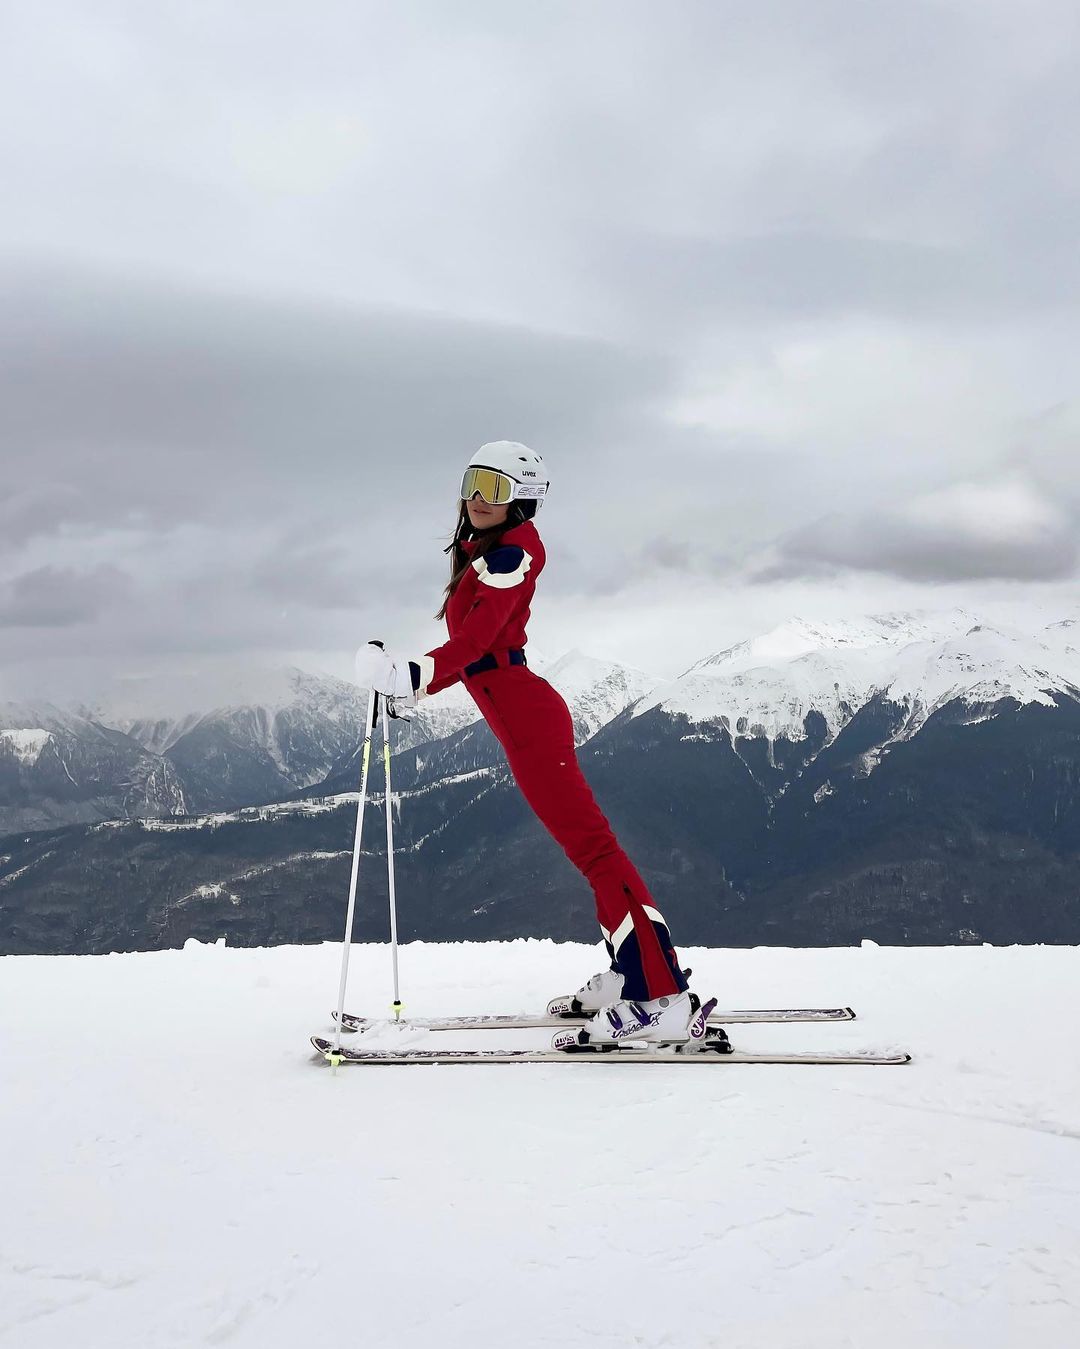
<point x="386" y="672"/>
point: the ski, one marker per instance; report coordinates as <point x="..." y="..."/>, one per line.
<point x="544" y="1021"/>
<point x="623" y="1054"/>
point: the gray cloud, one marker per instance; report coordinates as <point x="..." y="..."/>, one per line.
<point x="965" y="532"/>
<point x="809" y="275"/>
<point x="260" y="464"/>
<point x="53" y="597"/>
<point x="731" y="268"/>
<point x="42" y="509"/>
<point x="151" y="405"/>
<point x="606" y="164"/>
<point x="315" y="575"/>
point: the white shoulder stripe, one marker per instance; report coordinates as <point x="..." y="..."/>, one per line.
<point x="503" y="580"/>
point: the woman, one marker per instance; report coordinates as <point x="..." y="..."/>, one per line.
<point x="496" y="559"/>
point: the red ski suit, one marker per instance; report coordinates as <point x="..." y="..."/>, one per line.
<point x="486" y="617"/>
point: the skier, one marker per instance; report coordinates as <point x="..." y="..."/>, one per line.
<point x="496" y="558"/>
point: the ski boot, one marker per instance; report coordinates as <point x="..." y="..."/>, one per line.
<point x="602" y="989"/>
<point x="678" y="1022"/>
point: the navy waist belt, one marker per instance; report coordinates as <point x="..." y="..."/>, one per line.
<point x="492" y="661"/>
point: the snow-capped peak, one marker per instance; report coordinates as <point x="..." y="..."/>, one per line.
<point x="158" y="711"/>
<point x="26" y="744"/>
<point x="767" y="686"/>
<point x="216" y="687"/>
<point x="799" y="636"/>
<point x="596" y="690"/>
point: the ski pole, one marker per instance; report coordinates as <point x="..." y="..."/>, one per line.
<point x="390" y="864"/>
<point x="372" y="718"/>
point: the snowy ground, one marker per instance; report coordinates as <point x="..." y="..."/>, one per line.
<point x="176" y="1170"/>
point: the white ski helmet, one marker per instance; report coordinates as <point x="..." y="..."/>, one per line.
<point x="518" y="462"/>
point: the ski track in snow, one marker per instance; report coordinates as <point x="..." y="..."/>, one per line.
<point x="176" y="1170"/>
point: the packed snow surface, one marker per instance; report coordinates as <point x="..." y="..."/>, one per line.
<point x="177" y="1170"/>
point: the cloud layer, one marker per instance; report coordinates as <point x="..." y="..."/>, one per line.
<point x="786" y="295"/>
<point x="1002" y="530"/>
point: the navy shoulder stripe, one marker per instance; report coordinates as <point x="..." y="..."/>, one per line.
<point x="507" y="557"/>
<point x="503" y="567"/>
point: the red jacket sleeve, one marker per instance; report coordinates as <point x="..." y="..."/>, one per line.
<point x="503" y="589"/>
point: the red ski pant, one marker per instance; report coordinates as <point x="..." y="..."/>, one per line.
<point x="533" y="724"/>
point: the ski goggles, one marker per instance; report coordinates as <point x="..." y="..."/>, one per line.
<point x="498" y="489"/>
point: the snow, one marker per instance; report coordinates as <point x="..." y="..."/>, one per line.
<point x="311" y="805"/>
<point x="159" y="708"/>
<point x="13" y="876"/>
<point x="186" y="693"/>
<point x="27" y="745"/>
<point x="176" y="1170"/>
<point x="444" y="714"/>
<point x="17" y="716"/>
<point x="768" y="686"/>
<point x="316" y="805"/>
<point x="596" y="690"/>
<point x="217" y="890"/>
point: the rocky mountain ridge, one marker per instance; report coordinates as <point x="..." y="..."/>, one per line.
<point x="271" y="735"/>
<point x="923" y="790"/>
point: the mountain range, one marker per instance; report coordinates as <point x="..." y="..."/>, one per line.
<point x="906" y="777"/>
<point x="234" y="738"/>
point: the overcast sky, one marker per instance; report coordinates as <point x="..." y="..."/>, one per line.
<point x="787" y="294"/>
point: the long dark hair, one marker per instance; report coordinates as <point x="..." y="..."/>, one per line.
<point x="486" y="540"/>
